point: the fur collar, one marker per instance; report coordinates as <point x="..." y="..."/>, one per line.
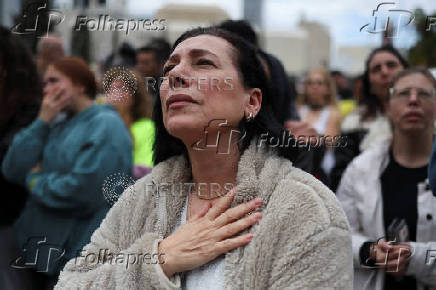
<point x="259" y="171"/>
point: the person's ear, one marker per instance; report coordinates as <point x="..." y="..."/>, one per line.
<point x="254" y="101"/>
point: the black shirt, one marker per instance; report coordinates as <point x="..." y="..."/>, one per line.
<point x="400" y="200"/>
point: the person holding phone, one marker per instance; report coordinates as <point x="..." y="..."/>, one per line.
<point x="63" y="158"/>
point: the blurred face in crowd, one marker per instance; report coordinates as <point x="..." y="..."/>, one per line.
<point x="59" y="84"/>
<point x="382" y="68"/>
<point x="341" y="82"/>
<point x="412" y="104"/>
<point x="146" y="64"/>
<point x="316" y="89"/>
<point x="119" y="94"/>
<point x="203" y="84"/>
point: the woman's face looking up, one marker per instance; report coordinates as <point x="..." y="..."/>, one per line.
<point x="202" y="83"/>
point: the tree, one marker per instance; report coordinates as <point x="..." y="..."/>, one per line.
<point x="424" y="52"/>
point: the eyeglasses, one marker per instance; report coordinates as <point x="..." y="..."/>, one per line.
<point x="404" y="94"/>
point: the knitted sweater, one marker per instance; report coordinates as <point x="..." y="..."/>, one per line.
<point x="301" y="242"/>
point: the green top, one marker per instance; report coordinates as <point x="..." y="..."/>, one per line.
<point x="143" y="132"/>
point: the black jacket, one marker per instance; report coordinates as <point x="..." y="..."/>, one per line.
<point x="14" y="194"/>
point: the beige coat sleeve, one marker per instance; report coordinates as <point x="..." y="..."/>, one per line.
<point x="105" y="264"/>
<point x="316" y="252"/>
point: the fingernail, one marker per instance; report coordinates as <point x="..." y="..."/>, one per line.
<point x="257" y="201"/>
<point x="258" y="216"/>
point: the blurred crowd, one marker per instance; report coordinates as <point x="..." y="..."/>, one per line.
<point x="65" y="129"/>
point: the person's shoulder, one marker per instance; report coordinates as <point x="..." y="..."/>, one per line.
<point x="106" y="113"/>
<point x="136" y="198"/>
<point x="335" y="113"/>
<point x="334" y="109"/>
<point x="165" y="172"/>
<point x="366" y="161"/>
<point x="352" y="120"/>
<point x="106" y="121"/>
<point x="308" y="202"/>
<point x="141" y="196"/>
<point x="126" y="217"/>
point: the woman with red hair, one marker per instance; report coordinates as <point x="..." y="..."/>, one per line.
<point x="63" y="158"/>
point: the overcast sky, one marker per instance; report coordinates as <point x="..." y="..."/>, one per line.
<point x="343" y="18"/>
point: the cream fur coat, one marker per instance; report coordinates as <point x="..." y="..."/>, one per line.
<point x="301" y="242"/>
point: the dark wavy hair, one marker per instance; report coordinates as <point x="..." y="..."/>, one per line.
<point x="247" y="60"/>
<point x="19" y="79"/>
<point x="371" y="102"/>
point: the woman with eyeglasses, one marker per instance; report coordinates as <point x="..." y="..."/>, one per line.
<point x="368" y="124"/>
<point x="385" y="194"/>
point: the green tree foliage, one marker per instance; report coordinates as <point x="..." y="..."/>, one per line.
<point x="424" y="51"/>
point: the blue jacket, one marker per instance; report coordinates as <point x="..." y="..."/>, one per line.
<point x="66" y="203"/>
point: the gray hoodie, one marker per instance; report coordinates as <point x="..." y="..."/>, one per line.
<point x="301" y="242"/>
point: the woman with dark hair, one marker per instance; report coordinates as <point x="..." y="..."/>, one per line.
<point x="63" y="161"/>
<point x="190" y="218"/>
<point x="20" y="95"/>
<point x="367" y="124"/>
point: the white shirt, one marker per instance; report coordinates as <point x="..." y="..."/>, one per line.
<point x="208" y="276"/>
